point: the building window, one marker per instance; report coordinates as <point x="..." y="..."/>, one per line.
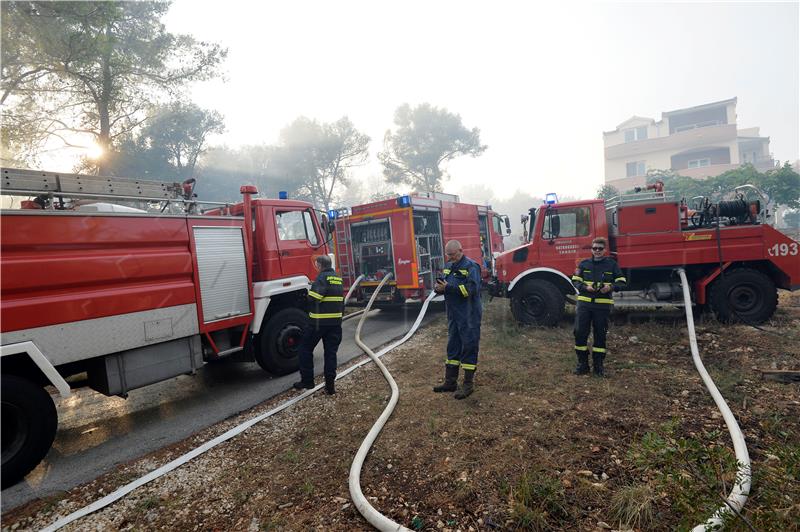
<point x="637" y="133"/>
<point x="699" y="163"/>
<point x="635" y="168"/>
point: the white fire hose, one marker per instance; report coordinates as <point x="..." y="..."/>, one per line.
<point x="375" y="518"/>
<point x="235" y="431"/>
<point x="741" y="488"/>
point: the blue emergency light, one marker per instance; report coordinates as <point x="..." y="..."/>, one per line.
<point x="403" y="201"/>
<point x="283" y="195"/>
<point x="332" y="214"/>
<point x="551" y="198"/>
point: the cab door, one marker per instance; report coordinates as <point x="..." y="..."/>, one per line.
<point x="566" y="238"/>
<point x="298" y="242"/>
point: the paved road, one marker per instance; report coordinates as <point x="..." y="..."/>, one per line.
<point x="97" y="432"/>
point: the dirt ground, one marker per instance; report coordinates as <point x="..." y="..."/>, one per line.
<point x="535" y="448"/>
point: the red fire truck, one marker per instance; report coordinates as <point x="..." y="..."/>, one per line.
<point x="128" y="282"/>
<point x="406" y="236"/>
<point x="732" y="258"/>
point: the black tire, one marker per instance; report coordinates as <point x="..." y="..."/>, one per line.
<point x="279" y="341"/>
<point x="29" y="423"/>
<point x="537" y="302"/>
<point x="743" y="295"/>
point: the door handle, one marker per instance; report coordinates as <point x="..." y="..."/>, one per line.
<point x="284" y="253"/>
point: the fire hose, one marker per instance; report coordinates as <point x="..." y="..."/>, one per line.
<point x="375" y="518"/>
<point x="235" y="431"/>
<point x="741" y="488"/>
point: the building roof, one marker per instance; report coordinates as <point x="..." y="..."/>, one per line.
<point x="699" y="107"/>
<point x="634" y="118"/>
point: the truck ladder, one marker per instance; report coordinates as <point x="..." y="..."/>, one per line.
<point x="35" y="182"/>
<point x="343" y="252"/>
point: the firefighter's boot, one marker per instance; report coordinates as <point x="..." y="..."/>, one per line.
<point x="303" y="385"/>
<point x="468" y="387"/>
<point x="450" y="383"/>
<point x="330" y="389"/>
<point x="597" y="364"/>
<point x="583" y="363"/>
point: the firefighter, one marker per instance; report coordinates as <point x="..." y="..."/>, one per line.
<point x="460" y="284"/>
<point x="595" y="279"/>
<point x="325" y="323"/>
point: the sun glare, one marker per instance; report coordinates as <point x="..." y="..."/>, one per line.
<point x="94" y="151"/>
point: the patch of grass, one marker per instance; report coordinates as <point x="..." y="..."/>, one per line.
<point x="291" y="456"/>
<point x="634" y="505"/>
<point x="148" y="503"/>
<point x="307" y="487"/>
<point x="696" y="473"/>
<point x="538" y="501"/>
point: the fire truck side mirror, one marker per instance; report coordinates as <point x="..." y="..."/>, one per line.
<point x="328" y="225"/>
<point x="507" y="223"/>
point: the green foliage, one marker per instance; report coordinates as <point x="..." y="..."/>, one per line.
<point x="169" y="145"/>
<point x="317" y="157"/>
<point x="782" y="185"/>
<point x="223" y="170"/>
<point x="792" y="219"/>
<point x="88" y="70"/>
<point x="426" y="138"/>
<point x="607" y="192"/>
<point x="697" y="472"/>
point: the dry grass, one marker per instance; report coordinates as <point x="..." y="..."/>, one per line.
<point x="535" y="448"/>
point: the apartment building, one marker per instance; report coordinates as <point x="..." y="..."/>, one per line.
<point x="699" y="142"/>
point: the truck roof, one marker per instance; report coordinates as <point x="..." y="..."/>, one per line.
<point x="577" y="203"/>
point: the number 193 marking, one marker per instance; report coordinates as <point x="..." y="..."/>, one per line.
<point x="782" y="250"/>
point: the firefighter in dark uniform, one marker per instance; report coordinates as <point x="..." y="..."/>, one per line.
<point x="326" y="302"/>
<point x="461" y="287"/>
<point x="595" y="279"/>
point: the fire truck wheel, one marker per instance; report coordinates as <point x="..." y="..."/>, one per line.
<point x="537" y="302"/>
<point x="279" y="342"/>
<point x="29" y="423"/>
<point x="744" y="295"/>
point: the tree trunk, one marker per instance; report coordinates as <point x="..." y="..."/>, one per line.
<point x="104" y="139"/>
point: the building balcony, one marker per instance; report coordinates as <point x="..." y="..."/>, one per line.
<point x="682" y="140"/>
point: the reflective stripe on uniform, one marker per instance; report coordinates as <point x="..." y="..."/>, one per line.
<point x="598" y="349"/>
<point x="324" y="316"/>
<point x="618" y="279"/>
<point x="446" y="271"/>
<point x="577" y="278"/>
<point x="596" y="300"/>
<point x="333" y="298"/>
<point x="315" y="295"/>
<point x="581" y="348"/>
<point x="334" y="278"/>
<point x="469" y="367"/>
<point x="464" y="272"/>
<point x="334" y="282"/>
<point x="463" y="290"/>
<point x="452" y="362"/>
